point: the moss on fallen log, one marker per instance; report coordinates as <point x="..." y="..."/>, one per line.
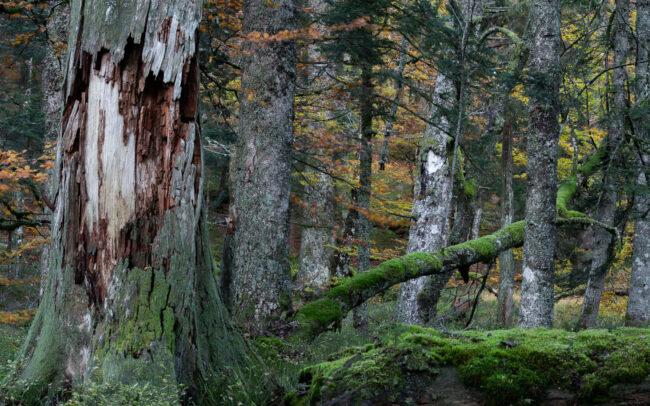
<point x="327" y="312"/>
<point x="497" y="367"/>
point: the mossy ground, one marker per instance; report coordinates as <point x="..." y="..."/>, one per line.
<point x="507" y="366"/>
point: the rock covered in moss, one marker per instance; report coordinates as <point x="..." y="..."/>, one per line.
<point x="424" y="366"/>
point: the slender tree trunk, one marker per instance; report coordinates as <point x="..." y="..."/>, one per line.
<point x="432" y="199"/>
<point x="536" y="308"/>
<point x="506" y="258"/>
<point x="431" y="292"/>
<point x="341" y="260"/>
<point x="364" y="227"/>
<point x="51" y="82"/>
<point x="607" y="202"/>
<point x="261" y="279"/>
<point x="131" y="288"/>
<point x="399" y="84"/>
<point x="638" y="305"/>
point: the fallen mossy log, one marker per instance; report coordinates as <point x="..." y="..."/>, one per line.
<point x="328" y="311"/>
<point x="415" y="365"/>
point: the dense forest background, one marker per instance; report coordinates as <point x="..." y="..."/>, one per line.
<point x="336" y="136"/>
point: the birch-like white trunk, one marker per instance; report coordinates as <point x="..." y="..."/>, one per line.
<point x="432" y="198"/>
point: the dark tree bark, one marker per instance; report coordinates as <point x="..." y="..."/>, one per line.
<point x="360" y="319"/>
<point x="536" y="309"/>
<point x="399" y="85"/>
<point x="608" y="198"/>
<point x="261" y="279"/>
<point x="131" y="285"/>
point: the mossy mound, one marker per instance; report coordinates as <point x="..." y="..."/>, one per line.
<point x="503" y="367"/>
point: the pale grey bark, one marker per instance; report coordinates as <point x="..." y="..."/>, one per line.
<point x="52" y="75"/>
<point x="433" y="189"/>
<point x="506" y="258"/>
<point x="607" y="201"/>
<point x="638" y="305"/>
<point x="432" y="198"/>
<point x="132" y="293"/>
<point x="317" y="238"/>
<point x="464" y="213"/>
<point x="51" y="83"/>
<point x="261" y="280"/>
<point x="536" y="309"/>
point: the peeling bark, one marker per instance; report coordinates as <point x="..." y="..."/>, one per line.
<point x="132" y="287"/>
<point x="536" y="309"/>
<point x="261" y="278"/>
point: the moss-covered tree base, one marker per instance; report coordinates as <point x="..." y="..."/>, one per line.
<point x="423" y="366"/>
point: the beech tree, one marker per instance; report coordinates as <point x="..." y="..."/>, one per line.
<point x="131" y="288"/>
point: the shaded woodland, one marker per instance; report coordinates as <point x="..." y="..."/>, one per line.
<point x="327" y="202"/>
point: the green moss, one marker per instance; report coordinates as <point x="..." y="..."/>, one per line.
<point x="565" y="193"/>
<point x="508" y="366"/>
<point x="470" y="188"/>
<point x="320" y="313"/>
<point x="145" y="316"/>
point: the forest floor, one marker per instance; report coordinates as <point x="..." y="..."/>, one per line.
<point x="395" y="364"/>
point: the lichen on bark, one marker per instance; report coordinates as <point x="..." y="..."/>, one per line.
<point x="261" y="278"/>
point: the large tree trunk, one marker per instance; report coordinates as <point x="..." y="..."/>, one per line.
<point x="536" y="308"/>
<point x="638" y="305"/>
<point x="131" y="285"/>
<point x="607" y="202"/>
<point x="261" y="279"/>
<point x="432" y="199"/>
